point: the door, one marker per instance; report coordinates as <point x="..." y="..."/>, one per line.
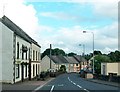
<point x="22" y="72"/>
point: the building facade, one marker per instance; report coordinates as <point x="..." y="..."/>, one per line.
<point x="16" y="53"/>
<point x="110" y="68"/>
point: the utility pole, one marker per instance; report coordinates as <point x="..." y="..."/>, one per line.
<point x="50" y="56"/>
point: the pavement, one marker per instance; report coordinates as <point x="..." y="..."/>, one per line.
<point x="104" y="82"/>
<point x="26" y="85"/>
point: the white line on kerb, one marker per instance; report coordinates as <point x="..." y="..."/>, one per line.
<point x="52" y="88"/>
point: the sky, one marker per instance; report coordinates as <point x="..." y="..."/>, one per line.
<point x="62" y="22"/>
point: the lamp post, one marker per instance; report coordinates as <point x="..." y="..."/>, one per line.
<point x="93" y="47"/>
<point x="83" y="49"/>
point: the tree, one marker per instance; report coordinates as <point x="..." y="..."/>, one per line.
<point x="97" y="53"/>
<point x="63" y="68"/>
<point x="55" y="51"/>
<point x="58" y="51"/>
<point x="114" y="56"/>
<point x="71" y="54"/>
<point x="98" y="60"/>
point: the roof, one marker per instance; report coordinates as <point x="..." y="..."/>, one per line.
<point x="63" y="60"/>
<point x="17" y="30"/>
<point x="79" y="58"/>
<point x="71" y="60"/>
<point x="58" y="59"/>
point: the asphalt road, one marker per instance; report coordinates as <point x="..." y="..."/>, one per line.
<point x="72" y="82"/>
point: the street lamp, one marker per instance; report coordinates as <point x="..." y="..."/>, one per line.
<point x="93" y="47"/>
<point x="83" y="49"/>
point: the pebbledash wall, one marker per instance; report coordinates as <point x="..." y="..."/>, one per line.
<point x="6" y="53"/>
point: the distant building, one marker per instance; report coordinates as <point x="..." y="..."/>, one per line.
<point x="16" y="48"/>
<point x="110" y="68"/>
<point x="73" y="64"/>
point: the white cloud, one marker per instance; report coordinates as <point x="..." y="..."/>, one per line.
<point x="58" y="15"/>
<point x="22" y="15"/>
<point x="106" y="9"/>
<point x="66" y="38"/>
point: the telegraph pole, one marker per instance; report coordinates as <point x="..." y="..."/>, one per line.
<point x="50" y="56"/>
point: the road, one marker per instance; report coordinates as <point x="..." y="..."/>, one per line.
<point x="72" y="82"/>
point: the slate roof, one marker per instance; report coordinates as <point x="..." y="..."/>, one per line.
<point x="17" y="30"/>
<point x="58" y="59"/>
<point x="71" y="60"/>
<point x="63" y="60"/>
<point x="79" y="58"/>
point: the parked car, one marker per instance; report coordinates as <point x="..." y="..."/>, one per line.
<point x="52" y="72"/>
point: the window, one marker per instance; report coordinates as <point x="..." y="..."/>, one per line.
<point x="33" y="55"/>
<point x="36" y="69"/>
<point x="22" y="54"/>
<point x="17" y="71"/>
<point x="17" y="50"/>
<point x="26" y="71"/>
<point x="29" y="53"/>
<point x="26" y="55"/>
<point x="76" y="64"/>
<point x="33" y="70"/>
<point x="36" y="55"/>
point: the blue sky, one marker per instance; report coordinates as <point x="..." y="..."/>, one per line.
<point x="62" y="23"/>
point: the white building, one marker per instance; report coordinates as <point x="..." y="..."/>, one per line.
<point x="110" y="68"/>
<point x="16" y="53"/>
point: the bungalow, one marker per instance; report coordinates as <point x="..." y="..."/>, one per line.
<point x="110" y="68"/>
<point x="16" y="53"/>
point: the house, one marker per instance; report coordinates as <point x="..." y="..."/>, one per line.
<point x="84" y="64"/>
<point x="56" y="62"/>
<point x="110" y="68"/>
<point x="72" y="65"/>
<point x="45" y="64"/>
<point x="16" y="53"/>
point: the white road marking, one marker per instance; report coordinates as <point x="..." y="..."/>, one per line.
<point x="40" y="86"/>
<point x="77" y="85"/>
<point x="74" y="83"/>
<point x="86" y="90"/>
<point x="60" y="85"/>
<point x="52" y="88"/>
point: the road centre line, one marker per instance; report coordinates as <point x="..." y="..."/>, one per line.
<point x="52" y="88"/>
<point x="86" y="90"/>
<point x="77" y="85"/>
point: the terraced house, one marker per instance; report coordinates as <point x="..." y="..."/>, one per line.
<point x="19" y="52"/>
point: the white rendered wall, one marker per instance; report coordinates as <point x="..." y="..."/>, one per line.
<point x="6" y="52"/>
<point x="19" y="61"/>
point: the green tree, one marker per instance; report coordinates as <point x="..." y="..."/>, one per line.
<point x="114" y="56"/>
<point x="71" y="54"/>
<point x="98" y="60"/>
<point x="55" y="51"/>
<point x="63" y="68"/>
